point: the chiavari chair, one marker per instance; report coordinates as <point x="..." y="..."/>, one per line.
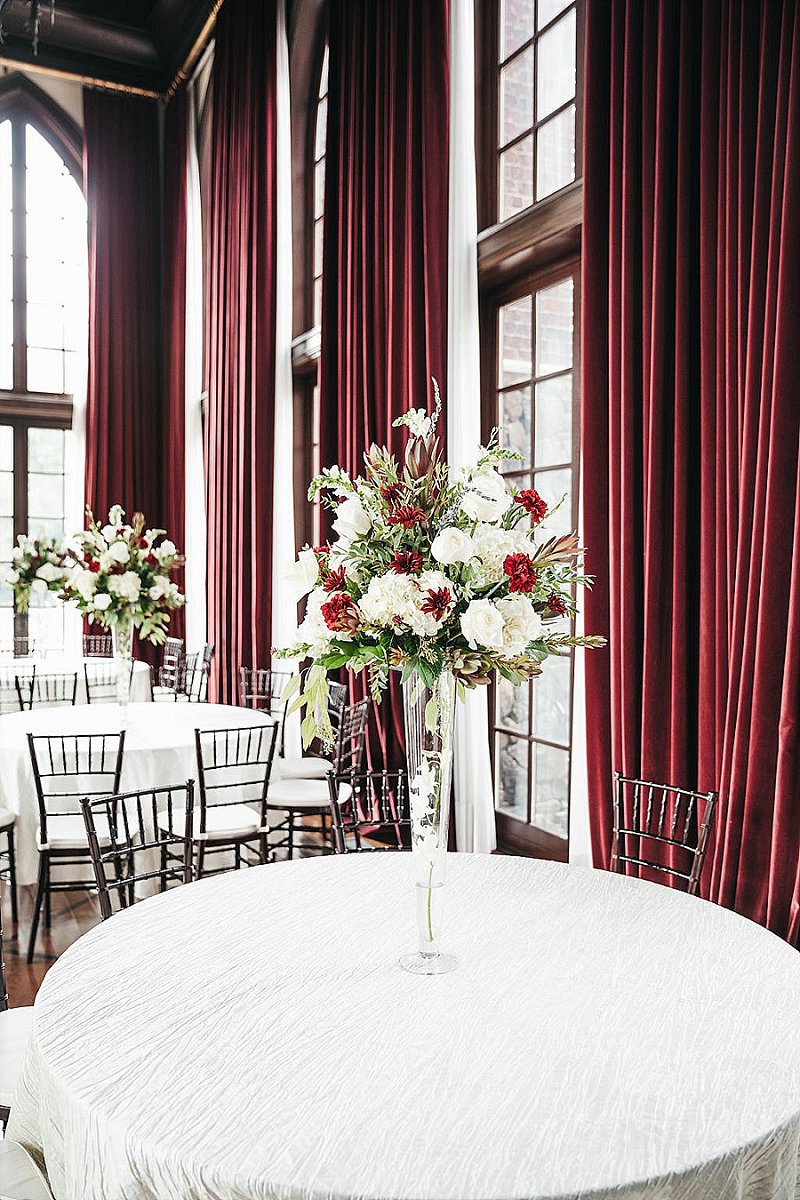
<point x="166" y="687"/>
<point x="370" y="810"/>
<point x="101" y="681"/>
<point x="139" y="838"/>
<point x="8" y="857"/>
<point x="301" y="807"/>
<point x="233" y="772"/>
<point x="193" y="673"/>
<point x="98" y="645"/>
<point x="661" y="828"/>
<point x="67" y="768"/>
<point x="15" y="1028"/>
<point x="18" y="647"/>
<point x="49" y="691"/>
<point x="12" y="693"/>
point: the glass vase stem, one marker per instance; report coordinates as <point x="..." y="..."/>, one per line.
<point x="122" y="636"/>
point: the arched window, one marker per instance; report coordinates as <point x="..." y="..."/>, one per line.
<point x="43" y="334"/>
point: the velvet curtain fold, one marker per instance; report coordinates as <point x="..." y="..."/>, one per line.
<point x="691" y="423"/>
<point x="124" y="389"/>
<point x="384" y="292"/>
<point x="173" y="458"/>
<point x="240" y="351"/>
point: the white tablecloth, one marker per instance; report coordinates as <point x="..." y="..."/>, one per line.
<point x="251" y="1036"/>
<point x="57" y="664"/>
<point x="159" y="750"/>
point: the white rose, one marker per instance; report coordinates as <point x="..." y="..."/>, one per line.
<point x="127" y="586"/>
<point x="487" y="498"/>
<point x="351" y="519"/>
<point x="119" y="552"/>
<point x="102" y="601"/>
<point x="482" y="625"/>
<point x="166" y="550"/>
<point x="303" y="574"/>
<point x="38" y="587"/>
<point x="109" y="532"/>
<point x="12" y="577"/>
<point x="521" y="623"/>
<point x="49" y="572"/>
<point x="452" y="545"/>
<point x="161" y="587"/>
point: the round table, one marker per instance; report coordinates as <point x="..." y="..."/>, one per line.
<point x="159" y="750"/>
<point x="59" y="664"/>
<point x="251" y="1036"/>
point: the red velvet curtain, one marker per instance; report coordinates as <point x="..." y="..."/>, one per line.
<point x="384" y="298"/>
<point x="691" y="423"/>
<point x="173" y="461"/>
<point x="241" y="341"/>
<point x="123" y="418"/>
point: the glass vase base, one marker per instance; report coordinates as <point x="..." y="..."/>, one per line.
<point x="428" y="964"/>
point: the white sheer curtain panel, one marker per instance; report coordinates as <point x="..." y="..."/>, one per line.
<point x="475" y="823"/>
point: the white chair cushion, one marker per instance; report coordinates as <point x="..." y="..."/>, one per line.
<point x="303" y="793"/>
<point x="15" y="1032"/>
<point x="222" y="820"/>
<point x="69" y="833"/>
<point x="309" y="767"/>
<point x="7" y="818"/>
<point x="20" y="1179"/>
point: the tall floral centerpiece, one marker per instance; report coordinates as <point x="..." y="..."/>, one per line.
<point x="445" y="575"/>
<point x="120" y="579"/>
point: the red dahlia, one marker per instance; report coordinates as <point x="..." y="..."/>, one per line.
<point x="392" y="492"/>
<point x="437" y="602"/>
<point x="340" y="614"/>
<point x="520" y="571"/>
<point x="533" y="503"/>
<point x="406" y="515"/>
<point x="406" y="562"/>
<point x="556" y="605"/>
<point x="334" y="581"/>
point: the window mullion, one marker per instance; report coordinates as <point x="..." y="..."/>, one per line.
<point x="19" y="234"/>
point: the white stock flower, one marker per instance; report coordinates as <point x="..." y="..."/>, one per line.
<point x="49" y="572"/>
<point x="390" y="600"/>
<point x="119" y="552"/>
<point x="302" y="575"/>
<point x="452" y="545"/>
<point x="115" y="515"/>
<point x="352" y="520"/>
<point x="312" y="630"/>
<point x="418" y="423"/>
<point x="521" y="623"/>
<point x="127" y="586"/>
<point x="487" y="498"/>
<point x="102" y="601"/>
<point x="482" y="625"/>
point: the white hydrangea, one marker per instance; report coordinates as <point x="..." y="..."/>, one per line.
<point x="425" y="624"/>
<point x="521" y="623"/>
<point x="102" y="601"/>
<point x="390" y="600"/>
<point x="127" y="586"/>
<point x="49" y="572"/>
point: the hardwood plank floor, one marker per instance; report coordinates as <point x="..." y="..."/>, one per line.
<point x="74" y="913"/>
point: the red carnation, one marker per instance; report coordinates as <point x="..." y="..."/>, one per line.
<point x="93" y="565"/>
<point x="533" y="503"/>
<point x="406" y="562"/>
<point x="406" y="515"/>
<point x="520" y="571"/>
<point x="340" y="614"/>
<point x="556" y="605"/>
<point x="335" y="580"/>
<point x="437" y="602"/>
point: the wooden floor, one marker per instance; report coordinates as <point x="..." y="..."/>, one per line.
<point x="73" y="914"/>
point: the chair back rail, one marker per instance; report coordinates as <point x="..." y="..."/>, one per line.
<point x="370" y="810"/>
<point x="69" y="767"/>
<point x="101" y="680"/>
<point x="234" y="767"/>
<point x="138" y="837"/>
<point x="661" y="828"/>
<point x="98" y="645"/>
<point x="351" y="738"/>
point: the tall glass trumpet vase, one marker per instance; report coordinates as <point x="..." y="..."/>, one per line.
<point x="429" y="719"/>
<point x="122" y="635"/>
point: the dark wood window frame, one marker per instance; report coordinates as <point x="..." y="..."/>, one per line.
<point x="26" y="104"/>
<point x="535" y="248"/>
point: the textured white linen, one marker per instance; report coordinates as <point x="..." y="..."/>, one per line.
<point x="251" y="1037"/>
<point x="159" y="750"/>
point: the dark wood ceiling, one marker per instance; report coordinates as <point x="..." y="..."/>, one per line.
<point x="140" y="43"/>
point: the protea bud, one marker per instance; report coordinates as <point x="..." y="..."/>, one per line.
<point x="421" y="455"/>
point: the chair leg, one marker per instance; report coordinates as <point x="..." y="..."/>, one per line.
<point x="12" y="874"/>
<point x="200" y="857"/>
<point x="290" y="839"/>
<point x="48" y="905"/>
<point x="163" y="868"/>
<point x="40" y="890"/>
